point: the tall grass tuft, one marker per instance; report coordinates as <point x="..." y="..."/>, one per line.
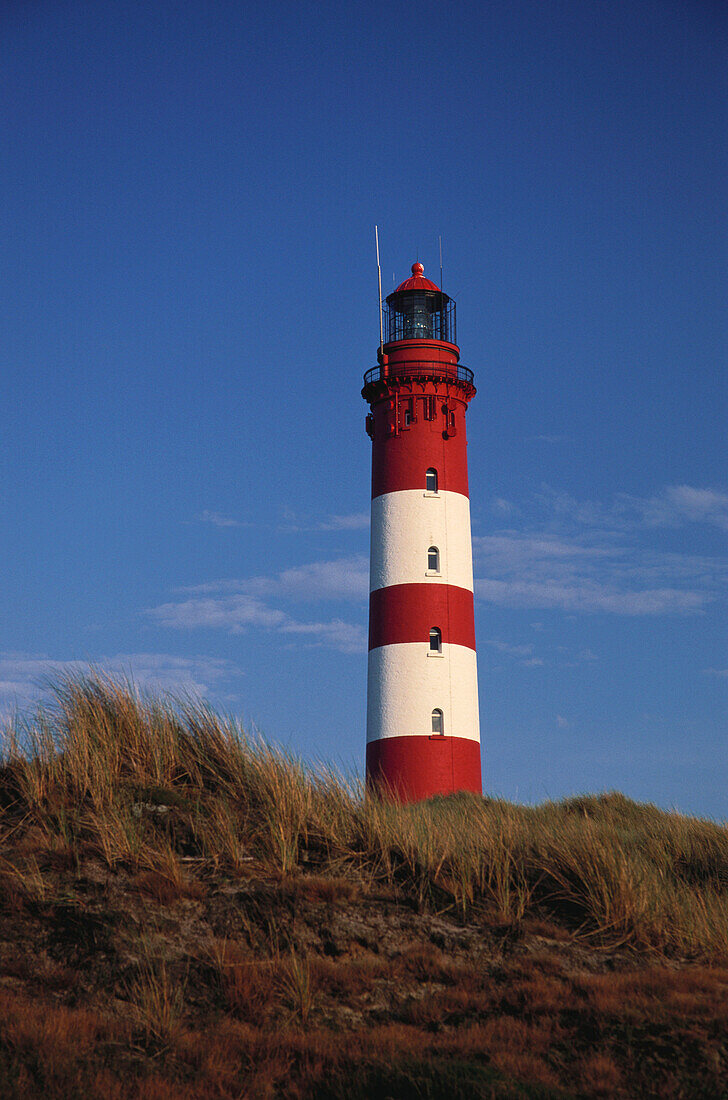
<point x="147" y="782"/>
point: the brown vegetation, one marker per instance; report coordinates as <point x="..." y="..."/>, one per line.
<point x="186" y="912"/>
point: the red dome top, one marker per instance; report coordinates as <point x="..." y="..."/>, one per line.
<point x="418" y="281"/>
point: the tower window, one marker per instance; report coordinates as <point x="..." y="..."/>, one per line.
<point x="407" y="417"/>
<point x="438" y="725"/>
<point x="431" y="481"/>
<point x="433" y="560"/>
<point x="435" y="640"/>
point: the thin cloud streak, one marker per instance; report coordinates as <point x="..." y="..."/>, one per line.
<point x="589" y="597"/>
<point x="233" y="613"/>
<point x="525" y="655"/>
<point x="357" y="521"/>
<point x="680" y="504"/>
<point x="237" y="614"/>
<point x="339" y="579"/>
<point x="24" y="677"/>
<point x="585" y="556"/>
<point x="240" y="605"/>
<point x="510" y="650"/>
<point x="218" y="520"/>
<point x="673" y="506"/>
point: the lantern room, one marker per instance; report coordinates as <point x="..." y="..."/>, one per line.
<point x="419" y="310"/>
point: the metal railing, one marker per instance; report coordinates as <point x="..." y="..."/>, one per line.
<point x="421" y="368"/>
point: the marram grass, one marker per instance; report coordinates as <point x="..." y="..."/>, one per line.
<point x="168" y="786"/>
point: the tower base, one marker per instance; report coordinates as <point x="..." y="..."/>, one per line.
<point x="414" y="767"/>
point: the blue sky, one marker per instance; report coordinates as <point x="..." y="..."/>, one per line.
<point x="187" y="205"/>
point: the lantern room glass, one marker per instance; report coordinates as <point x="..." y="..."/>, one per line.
<point x="419" y="315"/>
<point x="417" y="322"/>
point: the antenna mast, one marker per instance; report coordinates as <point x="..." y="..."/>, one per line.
<point x="379" y="276"/>
<point x="441" y="262"/>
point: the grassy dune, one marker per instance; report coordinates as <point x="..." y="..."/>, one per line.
<point x="186" y="912"/>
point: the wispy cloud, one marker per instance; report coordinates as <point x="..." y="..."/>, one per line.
<point x="292" y="524"/>
<point x="218" y="520"/>
<point x="680" y="504"/>
<point x="526" y="656"/>
<point x="354" y="521"/>
<point x="721" y="673"/>
<point x="590" y="596"/>
<point x="240" y="605"/>
<point x="585" y="556"/>
<point x="521" y="654"/>
<point x="24" y="676"/>
<point x="673" y="506"/>
<point x="510" y="650"/>
<point x="337" y="579"/>
<point x="503" y="507"/>
<point x="232" y="613"/>
<point x="337" y="634"/>
<point x="238" y="614"/>
<point x="357" y="521"/>
<point x="340" y="579"/>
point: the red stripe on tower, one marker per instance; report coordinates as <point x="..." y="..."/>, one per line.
<point x="409" y="612"/>
<point x="423" y="735"/>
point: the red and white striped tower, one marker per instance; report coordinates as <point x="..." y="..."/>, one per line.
<point x="423" y="731"/>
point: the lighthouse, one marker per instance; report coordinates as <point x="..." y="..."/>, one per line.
<point x="423" y="730"/>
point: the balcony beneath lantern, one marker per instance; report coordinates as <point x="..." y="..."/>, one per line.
<point x="414" y="370"/>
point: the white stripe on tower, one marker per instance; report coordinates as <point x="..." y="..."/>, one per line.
<point x="407" y="682"/>
<point x="406" y="524"/>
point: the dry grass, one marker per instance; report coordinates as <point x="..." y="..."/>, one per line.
<point x="124" y="816"/>
<point x="145" y="781"/>
<point x="158" y="1001"/>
